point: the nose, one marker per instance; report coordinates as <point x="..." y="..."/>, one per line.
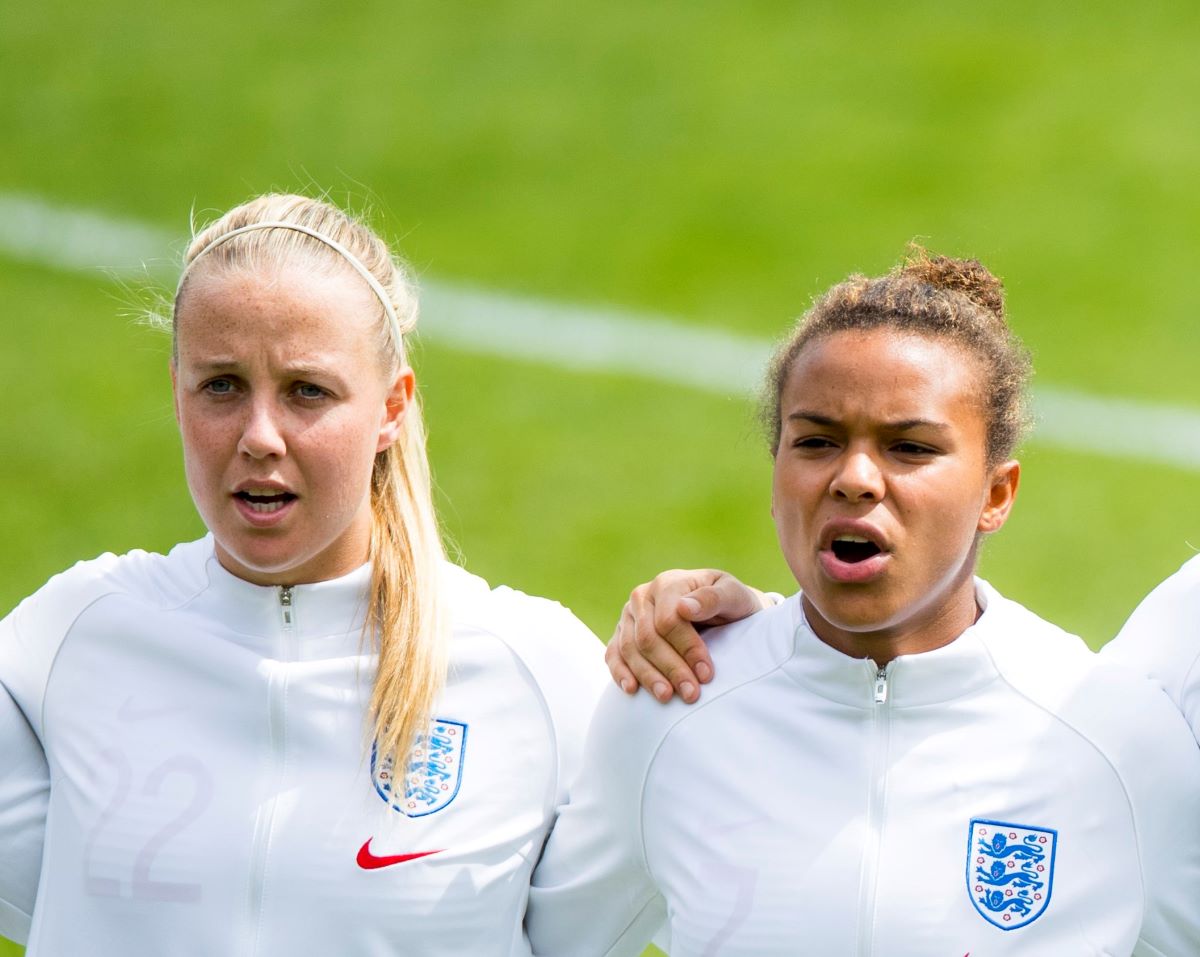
<point x="858" y="478"/>
<point x="262" y="435"/>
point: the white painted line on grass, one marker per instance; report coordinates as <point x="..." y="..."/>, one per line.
<point x="33" y="231"/>
<point x="587" y="339"/>
<point x="592" y="340"/>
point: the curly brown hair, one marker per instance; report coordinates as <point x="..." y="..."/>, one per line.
<point x="957" y="300"/>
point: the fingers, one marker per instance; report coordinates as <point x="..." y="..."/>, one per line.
<point x="666" y="640"/>
<point x="675" y="645"/>
<point x="656" y="644"/>
<point x="628" y="666"/>
<point x="620" y="671"/>
<point x="668" y="653"/>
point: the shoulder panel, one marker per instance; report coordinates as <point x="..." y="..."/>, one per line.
<point x="1162" y="639"/>
<point x="32" y="634"/>
<point x="562" y="657"/>
<point x="1135" y="728"/>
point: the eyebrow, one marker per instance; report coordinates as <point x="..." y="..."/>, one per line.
<point x="208" y="365"/>
<point x="225" y="364"/>
<point x="899" y="425"/>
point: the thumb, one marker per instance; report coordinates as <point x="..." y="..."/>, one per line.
<point x="701" y="604"/>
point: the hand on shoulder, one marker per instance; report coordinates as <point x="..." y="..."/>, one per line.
<point x="657" y="645"/>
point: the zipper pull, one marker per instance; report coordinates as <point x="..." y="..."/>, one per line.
<point x="881" y="685"/>
<point x="285" y="603"/>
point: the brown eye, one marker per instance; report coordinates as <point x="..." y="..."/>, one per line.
<point x="913" y="448"/>
<point x="813" y="442"/>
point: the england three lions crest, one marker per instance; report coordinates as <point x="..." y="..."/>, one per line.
<point x="432" y="774"/>
<point x="1010" y="871"/>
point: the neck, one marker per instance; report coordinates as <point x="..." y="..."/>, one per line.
<point x="934" y="629"/>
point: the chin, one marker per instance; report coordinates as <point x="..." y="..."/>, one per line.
<point x="263" y="566"/>
<point x="860" y="612"/>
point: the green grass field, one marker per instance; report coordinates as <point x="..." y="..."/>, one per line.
<point x="717" y="162"/>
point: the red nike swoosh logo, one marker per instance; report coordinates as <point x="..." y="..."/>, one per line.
<point x="369" y="862"/>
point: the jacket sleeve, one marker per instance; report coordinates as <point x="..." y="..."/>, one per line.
<point x="30" y="637"/>
<point x="592" y="893"/>
<point x="1162" y="640"/>
<point x="572" y="676"/>
<point x="1163" y="785"/>
<point x="24" y="792"/>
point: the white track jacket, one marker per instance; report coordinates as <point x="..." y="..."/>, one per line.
<point x="1162" y="639"/>
<point x="1008" y="794"/>
<point x="211" y="791"/>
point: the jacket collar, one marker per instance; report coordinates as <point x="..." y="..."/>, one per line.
<point x="321" y="609"/>
<point x="954" y="670"/>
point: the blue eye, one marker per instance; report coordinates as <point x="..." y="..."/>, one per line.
<point x="218" y="387"/>
<point x="306" y="390"/>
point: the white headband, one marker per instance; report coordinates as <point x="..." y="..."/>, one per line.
<point x="388" y="308"/>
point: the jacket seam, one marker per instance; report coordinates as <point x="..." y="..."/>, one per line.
<point x="1103" y="755"/>
<point x="691" y="712"/>
<point x="550" y="802"/>
<point x="68" y="632"/>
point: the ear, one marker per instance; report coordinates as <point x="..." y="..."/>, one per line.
<point x="399" y="397"/>
<point x="1001" y="494"/>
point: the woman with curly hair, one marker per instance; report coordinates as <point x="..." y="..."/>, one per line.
<point x="897" y="760"/>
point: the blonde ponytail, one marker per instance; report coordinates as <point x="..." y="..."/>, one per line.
<point x="405" y="611"/>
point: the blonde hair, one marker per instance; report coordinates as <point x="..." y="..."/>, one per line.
<point x="404" y="617"/>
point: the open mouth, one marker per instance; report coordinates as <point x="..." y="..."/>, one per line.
<point x="853" y="549"/>
<point x="264" y="500"/>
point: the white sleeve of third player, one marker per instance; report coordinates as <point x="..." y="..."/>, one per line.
<point x="592" y="894"/>
<point x="1152" y="750"/>
<point x="24" y="791"/>
<point x="1167" y="809"/>
<point x="1162" y="640"/>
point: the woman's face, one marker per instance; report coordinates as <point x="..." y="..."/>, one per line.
<point x="881" y="488"/>
<point x="283" y="402"/>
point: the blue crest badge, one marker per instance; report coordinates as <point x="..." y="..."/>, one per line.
<point x="1010" y="871"/>
<point x="432" y="774"/>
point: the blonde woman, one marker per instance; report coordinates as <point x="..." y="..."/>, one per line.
<point x="306" y="732"/>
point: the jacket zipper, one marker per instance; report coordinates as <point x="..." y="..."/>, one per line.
<point x="276" y="754"/>
<point x="880" y="739"/>
<point x="285" y="606"/>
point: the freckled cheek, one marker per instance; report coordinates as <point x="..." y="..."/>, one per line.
<point x="342" y="463"/>
<point x="205" y="454"/>
<point x="348" y="486"/>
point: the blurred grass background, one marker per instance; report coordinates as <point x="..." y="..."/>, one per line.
<point x="715" y="161"/>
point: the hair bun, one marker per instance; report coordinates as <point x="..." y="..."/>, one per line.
<point x="967" y="276"/>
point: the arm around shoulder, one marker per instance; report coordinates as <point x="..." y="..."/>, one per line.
<point x="592" y="893"/>
<point x="566" y="662"/>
